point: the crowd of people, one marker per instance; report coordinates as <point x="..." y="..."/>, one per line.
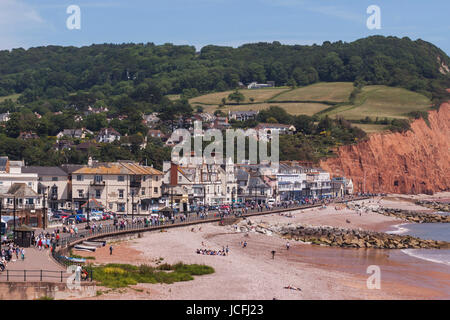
<point x="212" y="252"/>
<point x="8" y="253"/>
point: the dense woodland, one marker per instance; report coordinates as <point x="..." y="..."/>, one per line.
<point x="134" y="79"/>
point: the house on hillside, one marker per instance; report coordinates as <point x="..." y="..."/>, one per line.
<point x="221" y="123"/>
<point x="74" y="133"/>
<point x="150" y="119"/>
<point x="108" y="135"/>
<point x="157" y="134"/>
<point x="4" y="117"/>
<point x="242" y="115"/>
<point x="63" y="145"/>
<point x="256" y="85"/>
<point x="27" y="135"/>
<point x="266" y="129"/>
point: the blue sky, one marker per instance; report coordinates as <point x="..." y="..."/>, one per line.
<point x="30" y="23"/>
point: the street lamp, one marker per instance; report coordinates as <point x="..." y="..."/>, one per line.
<point x="14" y="213"/>
<point x="44" y="214"/>
<point x="88" y="207"/>
<point x="1" y="223"/>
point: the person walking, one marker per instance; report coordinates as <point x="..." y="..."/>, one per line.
<point x="273" y="254"/>
<point x="23" y="254"/>
<point x="110" y="250"/>
<point x="288" y="245"/>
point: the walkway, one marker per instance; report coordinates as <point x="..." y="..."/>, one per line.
<point x="36" y="260"/>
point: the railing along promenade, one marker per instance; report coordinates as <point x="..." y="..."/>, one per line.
<point x="192" y="218"/>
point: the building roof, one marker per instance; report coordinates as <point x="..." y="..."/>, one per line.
<point x="118" y="168"/>
<point x="109" y="131"/>
<point x="21" y="190"/>
<point x="241" y="174"/>
<point x="44" y="171"/>
<point x="70" y="168"/>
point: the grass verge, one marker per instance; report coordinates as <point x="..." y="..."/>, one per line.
<point x="123" y="275"/>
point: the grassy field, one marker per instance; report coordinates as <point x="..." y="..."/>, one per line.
<point x="13" y="97"/>
<point x="382" y="101"/>
<point x="325" y="91"/>
<point x="374" y="101"/>
<point x="174" y="96"/>
<point x="370" y="128"/>
<point x="292" y="108"/>
<point x="259" y="95"/>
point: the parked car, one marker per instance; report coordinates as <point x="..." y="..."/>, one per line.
<point x="95" y="217"/>
<point x="106" y="215"/>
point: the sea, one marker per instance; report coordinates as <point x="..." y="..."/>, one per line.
<point x="432" y="231"/>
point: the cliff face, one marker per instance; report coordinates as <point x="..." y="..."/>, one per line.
<point x="417" y="161"/>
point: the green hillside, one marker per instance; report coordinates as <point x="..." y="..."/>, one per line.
<point x="374" y="101"/>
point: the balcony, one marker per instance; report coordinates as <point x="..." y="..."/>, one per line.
<point x="98" y="183"/>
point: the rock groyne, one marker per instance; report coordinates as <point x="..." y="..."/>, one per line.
<point x="341" y="237"/>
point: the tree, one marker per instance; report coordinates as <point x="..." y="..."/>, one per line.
<point x="236" y="96"/>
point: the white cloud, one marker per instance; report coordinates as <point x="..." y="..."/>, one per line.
<point x="17" y="17"/>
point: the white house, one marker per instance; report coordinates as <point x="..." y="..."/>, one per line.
<point x="108" y="135"/>
<point x="11" y="173"/>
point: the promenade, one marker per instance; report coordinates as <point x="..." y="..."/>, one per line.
<point x="42" y="266"/>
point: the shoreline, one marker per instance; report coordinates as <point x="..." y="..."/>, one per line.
<point x="251" y="273"/>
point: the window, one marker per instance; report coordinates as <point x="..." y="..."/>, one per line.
<point x="98" y="194"/>
<point x="156" y="178"/>
<point x="30" y="184"/>
<point x="120" y="178"/>
<point x="110" y="206"/>
<point x="121" y="207"/>
<point x="80" y="193"/>
<point x="98" y="178"/>
<point x="144" y="178"/>
<point x="155" y="189"/>
<point x="121" y="193"/>
<point x="143" y="191"/>
<point x="79" y="177"/>
<point x="54" y="178"/>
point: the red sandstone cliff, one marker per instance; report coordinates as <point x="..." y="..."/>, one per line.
<point x="417" y="161"/>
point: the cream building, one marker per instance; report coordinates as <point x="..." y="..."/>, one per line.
<point x="122" y="187"/>
<point x="11" y="173"/>
<point x="53" y="182"/>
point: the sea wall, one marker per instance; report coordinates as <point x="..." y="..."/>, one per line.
<point x="413" y="162"/>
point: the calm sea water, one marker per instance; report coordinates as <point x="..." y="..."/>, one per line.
<point x="433" y="231"/>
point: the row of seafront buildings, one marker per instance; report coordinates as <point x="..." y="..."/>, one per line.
<point x="125" y="187"/>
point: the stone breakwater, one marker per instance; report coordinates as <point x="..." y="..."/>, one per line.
<point x="341" y="237"/>
<point x="414" y="216"/>
<point x="438" y="206"/>
<point x="407" y="215"/>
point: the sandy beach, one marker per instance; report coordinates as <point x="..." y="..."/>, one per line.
<point x="251" y="273"/>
